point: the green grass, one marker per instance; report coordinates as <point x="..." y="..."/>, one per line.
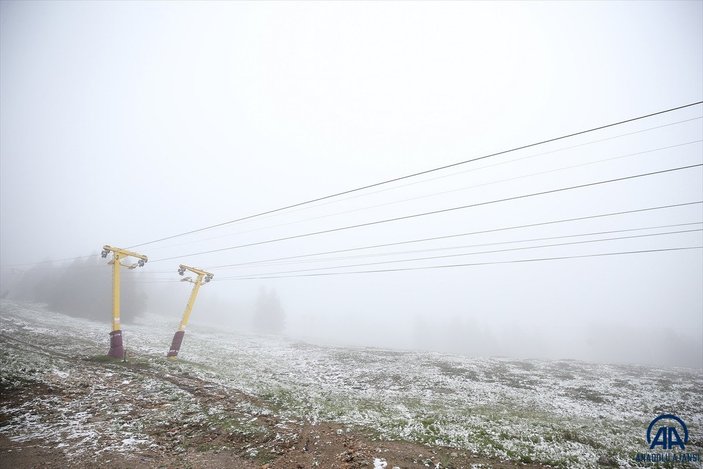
<point x="133" y="363"/>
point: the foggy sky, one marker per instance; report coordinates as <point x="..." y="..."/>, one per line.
<point x="121" y="123"/>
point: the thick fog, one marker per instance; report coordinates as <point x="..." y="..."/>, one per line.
<point x="126" y="123"/>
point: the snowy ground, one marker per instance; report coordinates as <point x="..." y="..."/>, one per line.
<point x="562" y="413"/>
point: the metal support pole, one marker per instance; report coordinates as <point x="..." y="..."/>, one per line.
<point x="202" y="278"/>
<point x="116" y="344"/>
<point x="116" y="293"/>
<point x="191" y="302"/>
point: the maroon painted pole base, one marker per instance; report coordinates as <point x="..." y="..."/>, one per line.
<point x="176" y="343"/>
<point x="116" y="348"/>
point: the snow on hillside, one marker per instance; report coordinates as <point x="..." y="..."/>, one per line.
<point x="565" y="413"/>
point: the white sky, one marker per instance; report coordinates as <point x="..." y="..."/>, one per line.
<point x="125" y="122"/>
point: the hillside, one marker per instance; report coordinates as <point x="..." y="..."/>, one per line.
<point x="234" y="400"/>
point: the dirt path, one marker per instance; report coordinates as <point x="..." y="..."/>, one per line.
<point x="216" y="427"/>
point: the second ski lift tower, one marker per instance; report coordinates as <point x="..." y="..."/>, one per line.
<point x="202" y="277"/>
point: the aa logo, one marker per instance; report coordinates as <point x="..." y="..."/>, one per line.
<point x="668" y="432"/>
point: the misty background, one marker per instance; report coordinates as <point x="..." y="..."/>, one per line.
<point x="124" y="123"/>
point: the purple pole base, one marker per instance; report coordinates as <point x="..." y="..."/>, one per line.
<point x="116" y="348"/>
<point x="176" y="343"/>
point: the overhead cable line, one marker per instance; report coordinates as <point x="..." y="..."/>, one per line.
<point x="514" y="178"/>
<point x="434" y="178"/>
<point x="435" y="194"/>
<point x="464" y="171"/>
<point x="465" y="254"/>
<point x="428" y="171"/>
<point x="307" y="258"/>
<point x="493" y="230"/>
<point x="434" y="212"/>
<point x="518" y="261"/>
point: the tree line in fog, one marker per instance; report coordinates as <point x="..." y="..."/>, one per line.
<point x="83" y="288"/>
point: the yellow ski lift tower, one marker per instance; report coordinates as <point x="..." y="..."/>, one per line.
<point x="116" y="347"/>
<point x="201" y="279"/>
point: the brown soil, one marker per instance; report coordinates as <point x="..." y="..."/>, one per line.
<point x="276" y="444"/>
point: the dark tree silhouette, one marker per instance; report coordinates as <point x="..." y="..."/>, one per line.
<point x="82" y="288"/>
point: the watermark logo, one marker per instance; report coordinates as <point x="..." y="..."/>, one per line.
<point x="667" y="437"/>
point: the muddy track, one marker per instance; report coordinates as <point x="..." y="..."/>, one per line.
<point x="246" y="434"/>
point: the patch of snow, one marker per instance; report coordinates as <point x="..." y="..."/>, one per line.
<point x="131" y="441"/>
<point x="492" y="406"/>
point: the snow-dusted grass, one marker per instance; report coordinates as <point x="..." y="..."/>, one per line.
<point x="565" y="413"/>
